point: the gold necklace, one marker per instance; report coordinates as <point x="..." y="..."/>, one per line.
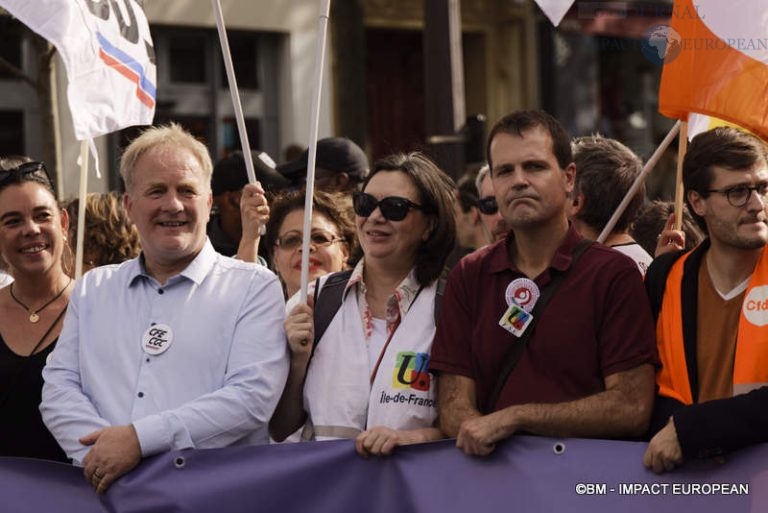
<point x="33" y="316"/>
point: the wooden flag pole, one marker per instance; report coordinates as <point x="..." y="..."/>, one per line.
<point x="325" y="9"/>
<point x="682" y="147"/>
<point x="638" y="182"/>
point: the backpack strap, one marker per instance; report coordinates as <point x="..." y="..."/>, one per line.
<point x="327" y="302"/>
<point x="439" y="292"/>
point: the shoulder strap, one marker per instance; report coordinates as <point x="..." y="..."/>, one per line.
<point x="328" y="302"/>
<point x="516" y="351"/>
<point x="441" y="282"/>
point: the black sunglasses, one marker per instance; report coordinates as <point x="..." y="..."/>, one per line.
<point x="27" y="168"/>
<point x="393" y="208"/>
<point x="487" y="205"/>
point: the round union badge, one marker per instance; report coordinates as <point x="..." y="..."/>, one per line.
<point x="755" y="307"/>
<point x="157" y="339"/>
<point x="523" y="292"/>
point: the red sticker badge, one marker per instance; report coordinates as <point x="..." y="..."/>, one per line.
<point x="522" y="292"/>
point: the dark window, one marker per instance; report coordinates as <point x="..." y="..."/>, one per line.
<point x="10" y="50"/>
<point x="11" y="132"/>
<point x="187" y="58"/>
<point x="232" y="136"/>
<point x="245" y="60"/>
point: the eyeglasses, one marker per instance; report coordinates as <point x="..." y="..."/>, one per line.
<point x="739" y="195"/>
<point x="27" y="168"/>
<point x="292" y="241"/>
<point x="487" y="205"/>
<point x="393" y="208"/>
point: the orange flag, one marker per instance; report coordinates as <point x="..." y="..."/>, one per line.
<point x="721" y="66"/>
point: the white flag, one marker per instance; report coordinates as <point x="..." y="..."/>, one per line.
<point x="107" y="50"/>
<point x="555" y="9"/>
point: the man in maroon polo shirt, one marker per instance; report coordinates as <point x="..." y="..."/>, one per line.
<point x="587" y="370"/>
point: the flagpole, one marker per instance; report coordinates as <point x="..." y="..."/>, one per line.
<point x="325" y="9"/>
<point x="82" y="195"/>
<point x="682" y="147"/>
<point x="244" y="143"/>
<point x="56" y="130"/>
<point x="638" y="182"/>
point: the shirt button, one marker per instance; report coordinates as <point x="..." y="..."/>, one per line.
<point x="141" y="394"/>
<point x="147" y="360"/>
<point x="160" y="291"/>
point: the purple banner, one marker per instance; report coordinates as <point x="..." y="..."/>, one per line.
<point x="528" y="474"/>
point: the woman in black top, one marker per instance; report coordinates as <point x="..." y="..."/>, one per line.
<point x="32" y="242"/>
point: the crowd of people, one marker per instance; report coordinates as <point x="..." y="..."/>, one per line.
<point x="473" y="310"/>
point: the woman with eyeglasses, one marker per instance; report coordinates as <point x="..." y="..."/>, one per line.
<point x="331" y="240"/>
<point x="32" y="241"/>
<point x="366" y="377"/>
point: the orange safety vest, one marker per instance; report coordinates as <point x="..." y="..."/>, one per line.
<point x="750" y="367"/>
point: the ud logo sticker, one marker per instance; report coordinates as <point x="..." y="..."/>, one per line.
<point x="411" y="371"/>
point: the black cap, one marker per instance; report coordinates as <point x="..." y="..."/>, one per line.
<point x="229" y="174"/>
<point x="337" y="154"/>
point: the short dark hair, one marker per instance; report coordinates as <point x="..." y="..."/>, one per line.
<point x="651" y="220"/>
<point x="337" y="207"/>
<point x="467" y="192"/>
<point x="11" y="162"/>
<point x="605" y="171"/>
<point x="725" y="147"/>
<point x="520" y="121"/>
<point x="436" y="196"/>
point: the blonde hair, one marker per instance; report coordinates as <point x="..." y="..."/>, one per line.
<point x="110" y="237"/>
<point x="172" y="134"/>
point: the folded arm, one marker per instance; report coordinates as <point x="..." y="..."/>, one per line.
<point x="622" y="410"/>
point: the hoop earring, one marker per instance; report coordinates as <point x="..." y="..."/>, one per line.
<point x="68" y="259"/>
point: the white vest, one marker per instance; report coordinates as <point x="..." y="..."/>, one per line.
<point x="338" y="396"/>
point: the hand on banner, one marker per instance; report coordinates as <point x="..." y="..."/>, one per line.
<point x="377" y="441"/>
<point x="669" y="239"/>
<point x="664" y="452"/>
<point x="116" y="451"/>
<point x="478" y="435"/>
<point x="300" y="330"/>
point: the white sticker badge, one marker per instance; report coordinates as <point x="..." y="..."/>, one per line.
<point x="157" y="339"/>
<point x="522" y="292"/>
<point x="755" y="307"/>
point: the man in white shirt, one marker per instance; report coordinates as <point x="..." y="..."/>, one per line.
<point x="179" y="348"/>
<point x="605" y="171"/>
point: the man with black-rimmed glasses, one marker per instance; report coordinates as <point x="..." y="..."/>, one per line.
<point x="712" y="308"/>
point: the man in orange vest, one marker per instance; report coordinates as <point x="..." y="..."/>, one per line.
<point x="712" y="308"/>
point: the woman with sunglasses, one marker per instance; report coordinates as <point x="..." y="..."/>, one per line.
<point x="331" y="240"/>
<point x="32" y="241"/>
<point x="367" y="376"/>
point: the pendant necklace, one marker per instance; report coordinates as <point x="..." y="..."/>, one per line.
<point x="33" y="316"/>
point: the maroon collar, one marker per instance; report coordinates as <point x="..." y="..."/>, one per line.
<point x="499" y="260"/>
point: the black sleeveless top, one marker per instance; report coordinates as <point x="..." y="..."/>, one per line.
<point x="22" y="432"/>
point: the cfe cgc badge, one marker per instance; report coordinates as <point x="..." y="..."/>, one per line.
<point x="157" y="339"/>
